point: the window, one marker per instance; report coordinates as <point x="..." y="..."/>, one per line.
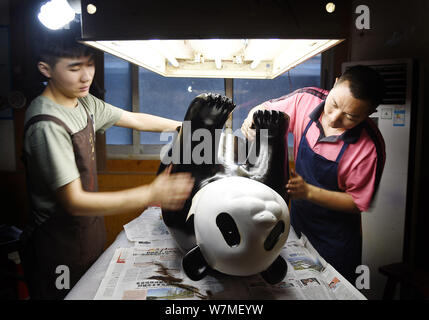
<point x="251" y="92"/>
<point x="117" y="81"/>
<point x="140" y="90"/>
<point x="170" y="97"/>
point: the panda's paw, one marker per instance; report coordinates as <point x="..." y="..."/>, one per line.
<point x="210" y="110"/>
<point x="223" y="105"/>
<point x="220" y="108"/>
<point x="273" y="123"/>
<point x="194" y="264"/>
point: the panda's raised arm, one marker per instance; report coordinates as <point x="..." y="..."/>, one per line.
<point x="194" y="150"/>
<point x="267" y="157"/>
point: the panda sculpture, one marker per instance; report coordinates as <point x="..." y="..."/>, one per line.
<point x="236" y="219"/>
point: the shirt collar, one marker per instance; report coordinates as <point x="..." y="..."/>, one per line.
<point x="349" y="136"/>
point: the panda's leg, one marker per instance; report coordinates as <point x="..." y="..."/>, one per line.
<point x="267" y="158"/>
<point x="276" y="272"/>
<point x="194" y="264"/>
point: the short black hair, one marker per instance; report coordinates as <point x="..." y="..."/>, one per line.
<point x="365" y="84"/>
<point x="59" y="45"/>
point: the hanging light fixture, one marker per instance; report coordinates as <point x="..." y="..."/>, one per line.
<point x="190" y="42"/>
<point x="55" y="14"/>
<point x="217" y="58"/>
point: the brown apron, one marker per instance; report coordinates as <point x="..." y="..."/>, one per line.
<point x="65" y="240"/>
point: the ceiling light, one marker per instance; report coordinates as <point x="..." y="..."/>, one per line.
<point x="330" y="7"/>
<point x="218" y="63"/>
<point x="217" y="58"/>
<point x="255" y="63"/>
<point x="91" y="9"/>
<point x="55" y="14"/>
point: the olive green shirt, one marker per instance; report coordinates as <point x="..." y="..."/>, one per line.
<point x="49" y="150"/>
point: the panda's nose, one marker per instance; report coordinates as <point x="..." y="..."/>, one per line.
<point x="265" y="218"/>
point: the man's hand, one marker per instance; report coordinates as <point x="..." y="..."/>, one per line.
<point x="297" y="187"/>
<point x="168" y="190"/>
<point x="246" y="129"/>
<point x="171" y="191"/>
<point x="335" y="200"/>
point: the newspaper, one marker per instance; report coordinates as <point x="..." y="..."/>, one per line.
<point x="148" y="226"/>
<point x="152" y="270"/>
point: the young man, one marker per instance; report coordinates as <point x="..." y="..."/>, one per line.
<point x="339" y="159"/>
<point x="59" y="150"/>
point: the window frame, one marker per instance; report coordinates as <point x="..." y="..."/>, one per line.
<point x="138" y="151"/>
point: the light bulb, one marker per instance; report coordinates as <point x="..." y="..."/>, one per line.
<point x="330" y="7"/>
<point x="56" y="14"/>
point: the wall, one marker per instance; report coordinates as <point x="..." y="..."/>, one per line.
<point x="7" y="137"/>
<point x="398" y="29"/>
<point x="124" y="174"/>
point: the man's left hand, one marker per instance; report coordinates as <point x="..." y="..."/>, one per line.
<point x="297" y="187"/>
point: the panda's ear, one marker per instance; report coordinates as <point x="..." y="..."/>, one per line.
<point x="276" y="271"/>
<point x="194" y="264"/>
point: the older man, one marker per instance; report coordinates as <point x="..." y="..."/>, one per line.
<point x="339" y="159"/>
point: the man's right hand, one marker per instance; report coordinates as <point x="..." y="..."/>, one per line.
<point x="171" y="191"/>
<point x="246" y="128"/>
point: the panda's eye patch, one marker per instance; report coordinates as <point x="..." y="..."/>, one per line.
<point x="274" y="235"/>
<point x="228" y="228"/>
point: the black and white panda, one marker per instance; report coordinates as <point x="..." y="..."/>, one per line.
<point x="236" y="219"/>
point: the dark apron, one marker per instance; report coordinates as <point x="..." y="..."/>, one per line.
<point x="335" y="235"/>
<point x="72" y="241"/>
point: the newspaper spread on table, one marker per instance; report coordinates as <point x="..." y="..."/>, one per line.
<point x="152" y="270"/>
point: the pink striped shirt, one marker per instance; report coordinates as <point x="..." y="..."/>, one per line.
<point x="361" y="166"/>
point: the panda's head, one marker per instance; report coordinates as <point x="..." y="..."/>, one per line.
<point x="240" y="225"/>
